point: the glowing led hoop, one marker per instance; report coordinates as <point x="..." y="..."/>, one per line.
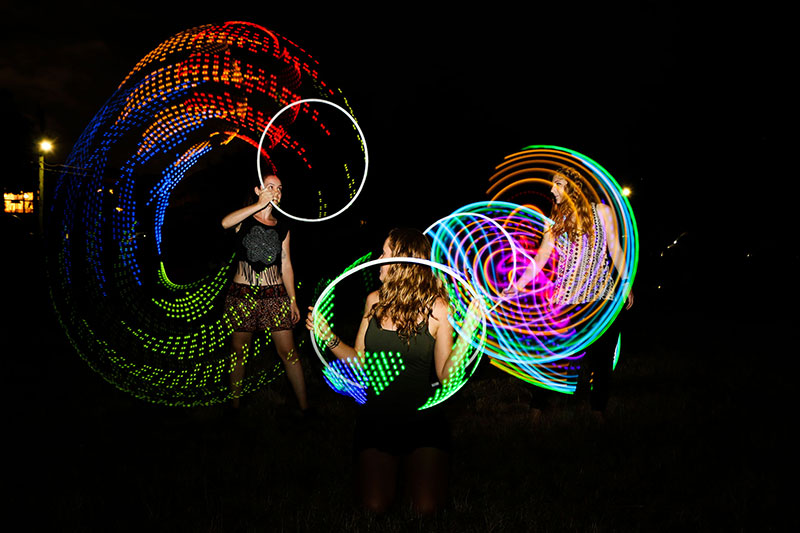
<point x="622" y="211"/>
<point x="363" y="142"/>
<point x="530" y="340"/>
<point x="505" y="233"/>
<point x="582" y="323"/>
<point x="478" y="347"/>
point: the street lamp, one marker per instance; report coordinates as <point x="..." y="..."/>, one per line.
<point x="45" y="146"/>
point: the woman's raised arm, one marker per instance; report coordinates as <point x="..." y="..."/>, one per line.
<point x="236" y="217"/>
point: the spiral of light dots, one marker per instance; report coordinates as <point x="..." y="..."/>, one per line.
<point x="515" y="179"/>
<point x="360" y="136"/>
<point x="377" y="370"/>
<point x="486" y="241"/>
<point x="195" y="93"/>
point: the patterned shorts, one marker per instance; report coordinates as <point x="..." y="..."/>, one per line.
<point x="266" y="308"/>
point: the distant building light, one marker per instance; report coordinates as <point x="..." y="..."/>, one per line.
<point x="18" y="202"/>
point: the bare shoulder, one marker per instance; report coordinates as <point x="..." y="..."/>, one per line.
<point x="603" y="210"/>
<point x="438" y="317"/>
<point x="372" y="298"/>
<point x="440" y="309"/>
<point x="606" y="214"/>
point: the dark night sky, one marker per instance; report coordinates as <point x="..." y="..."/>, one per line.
<point x="682" y="105"/>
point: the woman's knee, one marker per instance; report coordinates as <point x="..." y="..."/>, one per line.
<point x="377" y="477"/>
<point x="426" y="504"/>
<point x="376" y="502"/>
<point x="239" y="342"/>
<point x="428" y="472"/>
<point x="284" y="345"/>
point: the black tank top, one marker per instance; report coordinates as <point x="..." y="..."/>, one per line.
<point x="401" y="372"/>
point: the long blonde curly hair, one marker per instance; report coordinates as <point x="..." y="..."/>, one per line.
<point x="575" y="201"/>
<point x="409" y="290"/>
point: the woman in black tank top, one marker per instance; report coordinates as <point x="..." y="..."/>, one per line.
<point x="408" y="315"/>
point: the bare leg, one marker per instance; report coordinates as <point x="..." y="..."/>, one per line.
<point x="377" y="479"/>
<point x="284" y="344"/>
<point x="427" y="474"/>
<point x="239" y="343"/>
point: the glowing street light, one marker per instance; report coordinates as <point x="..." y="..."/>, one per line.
<point x="626" y="191"/>
<point x="45" y="146"/>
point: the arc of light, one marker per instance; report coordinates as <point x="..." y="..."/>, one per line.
<point x="363" y="142"/>
<point x="507" y="235"/>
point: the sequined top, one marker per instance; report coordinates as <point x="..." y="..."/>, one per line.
<point x="583" y="267"/>
<point x="259" y="249"/>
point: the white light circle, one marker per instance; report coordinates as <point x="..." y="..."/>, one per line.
<point x="363" y="142"/>
<point x="375" y="262"/>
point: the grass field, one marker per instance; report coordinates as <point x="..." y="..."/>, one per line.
<point x="693" y="441"/>
<point x="680" y="449"/>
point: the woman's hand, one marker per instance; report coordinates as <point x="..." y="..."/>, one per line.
<point x="629" y="302"/>
<point x="323" y="332"/>
<point x="295" y="312"/>
<point x="265" y="196"/>
<point x="510" y="290"/>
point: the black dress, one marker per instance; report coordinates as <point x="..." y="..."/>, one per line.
<point x="390" y="420"/>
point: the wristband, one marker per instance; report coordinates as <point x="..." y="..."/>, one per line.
<point x="334" y="343"/>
